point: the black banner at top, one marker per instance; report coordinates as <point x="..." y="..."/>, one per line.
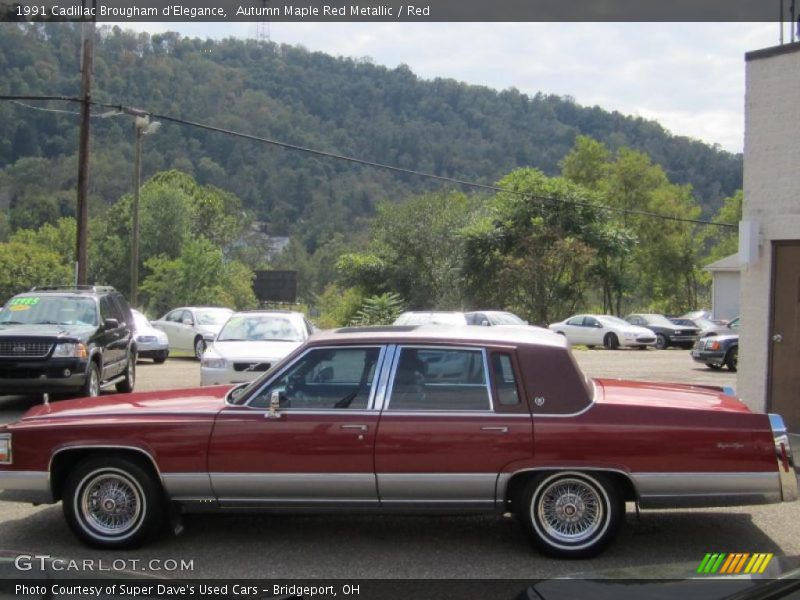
<point x="122" y="11"/>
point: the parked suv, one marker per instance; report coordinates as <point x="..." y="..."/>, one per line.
<point x="71" y="340"/>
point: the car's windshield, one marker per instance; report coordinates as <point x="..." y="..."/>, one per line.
<point x="267" y="328"/>
<point x="609" y="320"/>
<point x="432" y="318"/>
<point x="705" y="323"/>
<point x="49" y="310"/>
<point x="504" y="318"/>
<point x="658" y="320"/>
<point x="212" y="316"/>
<point x="139" y="320"/>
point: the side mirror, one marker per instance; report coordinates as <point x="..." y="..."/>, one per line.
<point x="187" y="321"/>
<point x="274" y="405"/>
<point x="485" y="322"/>
<point x="598" y="325"/>
<point x="110" y="324"/>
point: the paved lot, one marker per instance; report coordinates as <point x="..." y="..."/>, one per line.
<point x="423" y="547"/>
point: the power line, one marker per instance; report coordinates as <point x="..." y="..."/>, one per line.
<point x="368" y="163"/>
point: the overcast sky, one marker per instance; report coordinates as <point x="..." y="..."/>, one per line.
<point x="687" y="76"/>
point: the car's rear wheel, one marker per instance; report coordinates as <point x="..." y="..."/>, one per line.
<point x="571" y="514"/>
<point x="126" y="385"/>
<point x="662" y="342"/>
<point x="611" y="341"/>
<point x="732" y="359"/>
<point x="112" y="503"/>
<point x="199" y="347"/>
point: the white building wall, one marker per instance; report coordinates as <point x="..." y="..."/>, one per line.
<point x="726" y="295"/>
<point x="771" y="198"/>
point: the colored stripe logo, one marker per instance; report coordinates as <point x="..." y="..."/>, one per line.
<point x="737" y="563"/>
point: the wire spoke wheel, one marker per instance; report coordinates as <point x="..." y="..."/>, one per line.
<point x="570" y="510"/>
<point x="111" y="503"/>
<point x="571" y="514"/>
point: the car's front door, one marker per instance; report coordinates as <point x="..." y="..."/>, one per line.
<point x="318" y="450"/>
<point x="448" y="430"/>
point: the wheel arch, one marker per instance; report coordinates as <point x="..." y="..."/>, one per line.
<point x="519" y="479"/>
<point x="64" y="460"/>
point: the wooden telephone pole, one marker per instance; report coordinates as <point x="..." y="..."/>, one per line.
<point x="87" y="58"/>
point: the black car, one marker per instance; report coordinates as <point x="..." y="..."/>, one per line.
<point x="717" y="351"/>
<point x="667" y="333"/>
<point x="67" y="340"/>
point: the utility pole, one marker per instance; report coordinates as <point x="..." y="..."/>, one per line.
<point x="142" y="126"/>
<point x="87" y="58"/>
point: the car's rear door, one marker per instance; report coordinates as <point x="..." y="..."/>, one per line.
<point x="318" y="452"/>
<point x="446" y="434"/>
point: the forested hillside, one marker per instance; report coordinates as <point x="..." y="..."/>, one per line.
<point x="340" y="105"/>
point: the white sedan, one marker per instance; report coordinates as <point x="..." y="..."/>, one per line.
<point x="603" y="330"/>
<point x="192" y="328"/>
<point x="250" y="343"/>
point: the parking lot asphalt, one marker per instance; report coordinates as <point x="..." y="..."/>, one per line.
<point x="346" y="546"/>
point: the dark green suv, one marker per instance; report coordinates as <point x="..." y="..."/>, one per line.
<point x="67" y="340"/>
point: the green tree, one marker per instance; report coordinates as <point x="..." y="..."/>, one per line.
<point x="381" y="309"/>
<point x="199" y="276"/>
<point x="415" y="251"/>
<point x="23" y="266"/>
<point x="532" y="253"/>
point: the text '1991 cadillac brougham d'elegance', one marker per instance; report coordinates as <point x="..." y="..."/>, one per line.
<point x="401" y="419"/>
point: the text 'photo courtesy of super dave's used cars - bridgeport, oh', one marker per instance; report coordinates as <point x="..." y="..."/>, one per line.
<point x="369" y="419"/>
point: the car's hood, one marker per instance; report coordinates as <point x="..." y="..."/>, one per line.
<point x="252" y="350"/>
<point x="147" y="330"/>
<point x="192" y="401"/>
<point x="667" y="395"/>
<point x="78" y="332"/>
<point x="634" y="329"/>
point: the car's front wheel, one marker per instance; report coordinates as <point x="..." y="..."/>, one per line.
<point x="199" y="347"/>
<point x="732" y="359"/>
<point x="126" y="385"/>
<point x="571" y="514"/>
<point x="91" y="386"/>
<point x="611" y="341"/>
<point x="112" y="503"/>
<point x="662" y="343"/>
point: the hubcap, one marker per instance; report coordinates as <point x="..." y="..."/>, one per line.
<point x="111" y="504"/>
<point x="570" y="510"/>
<point x="94" y="383"/>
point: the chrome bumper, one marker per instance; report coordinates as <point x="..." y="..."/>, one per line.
<point x="783" y="453"/>
<point x="25" y="486"/>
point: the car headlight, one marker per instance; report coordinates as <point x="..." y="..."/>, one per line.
<point x="213" y="362"/>
<point x="628" y="334"/>
<point x="70" y="350"/>
<point x="5" y="448"/>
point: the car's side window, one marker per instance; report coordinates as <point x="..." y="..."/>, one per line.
<point x="505" y="383"/>
<point x="323" y="379"/>
<point x="186" y="318"/>
<point x="174" y="316"/>
<point x="590" y="322"/>
<point x="108" y="310"/>
<point x="439" y="379"/>
<point x="578" y="321"/>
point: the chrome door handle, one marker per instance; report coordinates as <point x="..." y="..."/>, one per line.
<point x="500" y="429"/>
<point x="778" y="338"/>
<point x="359" y="427"/>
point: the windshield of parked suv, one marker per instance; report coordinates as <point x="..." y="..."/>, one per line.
<point x="212" y="316"/>
<point x="49" y="310"/>
<point x="263" y="328"/>
<point x="658" y="320"/>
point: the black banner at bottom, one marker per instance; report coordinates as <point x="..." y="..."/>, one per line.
<point x="389" y="589"/>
